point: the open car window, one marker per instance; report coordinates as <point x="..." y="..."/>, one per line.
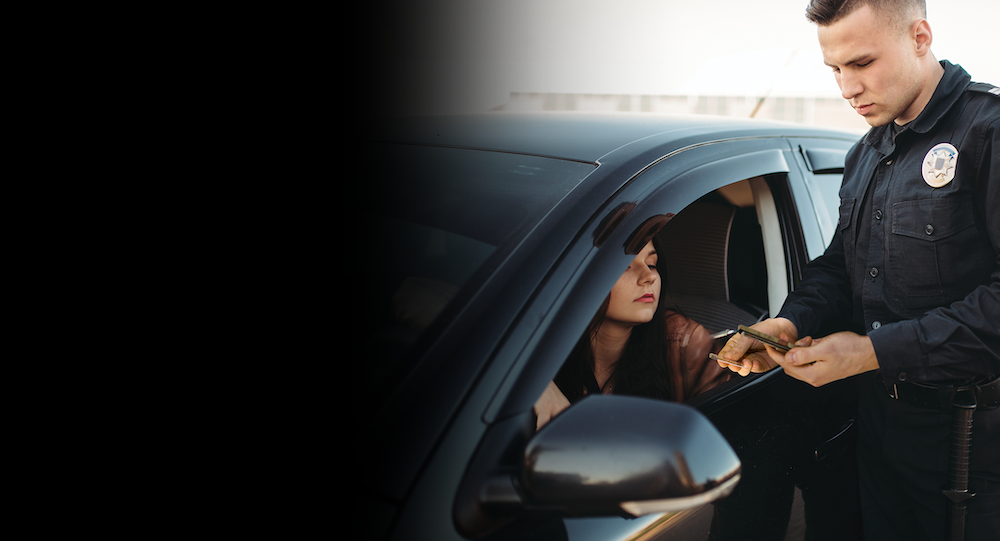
<point x="720" y="270"/>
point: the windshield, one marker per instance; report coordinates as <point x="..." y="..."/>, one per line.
<point x="446" y="214"/>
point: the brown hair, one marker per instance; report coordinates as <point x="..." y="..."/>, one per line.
<point x="642" y="369"/>
<point x="900" y="12"/>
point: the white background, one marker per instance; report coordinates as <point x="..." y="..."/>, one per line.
<point x="471" y="54"/>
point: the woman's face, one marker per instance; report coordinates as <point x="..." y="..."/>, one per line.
<point x="637" y="292"/>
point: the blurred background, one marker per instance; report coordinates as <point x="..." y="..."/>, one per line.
<point x="728" y="57"/>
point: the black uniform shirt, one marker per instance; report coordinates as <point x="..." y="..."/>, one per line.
<point x="912" y="265"/>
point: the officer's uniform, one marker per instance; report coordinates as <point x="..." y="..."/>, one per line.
<point x="919" y="238"/>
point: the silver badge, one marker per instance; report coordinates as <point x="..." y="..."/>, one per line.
<point x="939" y="165"/>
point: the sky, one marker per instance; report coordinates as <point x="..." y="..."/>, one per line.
<point x="471" y="54"/>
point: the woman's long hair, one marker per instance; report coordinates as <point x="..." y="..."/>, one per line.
<point x="642" y="369"/>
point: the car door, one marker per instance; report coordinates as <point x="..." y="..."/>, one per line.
<point x="694" y="189"/>
<point x="759" y="415"/>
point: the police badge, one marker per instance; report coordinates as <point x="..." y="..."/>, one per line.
<point x="939" y="165"/>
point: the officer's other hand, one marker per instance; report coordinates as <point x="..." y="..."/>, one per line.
<point x="831" y="358"/>
<point x="754" y="355"/>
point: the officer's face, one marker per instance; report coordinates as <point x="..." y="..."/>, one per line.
<point x="875" y="65"/>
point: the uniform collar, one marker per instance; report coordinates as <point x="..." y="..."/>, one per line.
<point x="948" y="91"/>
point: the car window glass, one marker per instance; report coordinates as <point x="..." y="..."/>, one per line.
<point x="829" y="192"/>
<point x="444" y="215"/>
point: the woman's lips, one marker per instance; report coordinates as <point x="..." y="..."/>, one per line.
<point x="648" y="297"/>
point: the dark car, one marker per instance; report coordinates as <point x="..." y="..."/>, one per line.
<point x="495" y="238"/>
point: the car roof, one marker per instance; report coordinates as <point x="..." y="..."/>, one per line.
<point x="584" y="137"/>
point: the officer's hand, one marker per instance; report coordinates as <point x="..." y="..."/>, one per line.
<point x="755" y="356"/>
<point x="828" y="359"/>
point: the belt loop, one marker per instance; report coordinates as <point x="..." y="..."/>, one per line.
<point x="970" y="401"/>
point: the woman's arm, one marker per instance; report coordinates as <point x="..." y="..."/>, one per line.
<point x="549" y="405"/>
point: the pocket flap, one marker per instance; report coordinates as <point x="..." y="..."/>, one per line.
<point x="846" y="210"/>
<point x="932" y="219"/>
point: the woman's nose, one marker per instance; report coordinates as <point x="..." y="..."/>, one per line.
<point x="647" y="275"/>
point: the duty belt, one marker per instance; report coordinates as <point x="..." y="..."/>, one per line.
<point x="942" y="397"/>
<point x="962" y="401"/>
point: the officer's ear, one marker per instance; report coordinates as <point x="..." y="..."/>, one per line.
<point x="921" y="36"/>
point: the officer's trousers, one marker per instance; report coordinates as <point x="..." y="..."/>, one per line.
<point x="903" y="453"/>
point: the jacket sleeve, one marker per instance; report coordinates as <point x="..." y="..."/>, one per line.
<point x="821" y="303"/>
<point x="960" y="341"/>
<point x="698" y="372"/>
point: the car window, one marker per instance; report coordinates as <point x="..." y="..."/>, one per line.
<point x="821" y="163"/>
<point x="450" y="214"/>
<point x="716" y="275"/>
<point x="828" y="191"/>
<point x="712" y="277"/>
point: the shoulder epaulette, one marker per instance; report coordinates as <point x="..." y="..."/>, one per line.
<point x="985" y="87"/>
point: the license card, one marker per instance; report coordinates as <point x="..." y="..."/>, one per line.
<point x="766" y="338"/>
<point x="715" y="357"/>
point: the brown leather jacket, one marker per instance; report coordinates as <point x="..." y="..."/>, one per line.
<point x="691" y="371"/>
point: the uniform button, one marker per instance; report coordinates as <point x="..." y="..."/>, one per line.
<point x="929" y="229"/>
<point x="888" y="162"/>
<point x="878" y="214"/>
<point x="876" y="324"/>
<point x="902" y="376"/>
<point x="873" y="272"/>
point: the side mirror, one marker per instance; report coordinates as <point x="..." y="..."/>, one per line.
<point x="609" y="454"/>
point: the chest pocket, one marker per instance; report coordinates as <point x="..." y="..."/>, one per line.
<point x="936" y="249"/>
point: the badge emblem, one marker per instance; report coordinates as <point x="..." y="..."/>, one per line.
<point x="939" y="165"/>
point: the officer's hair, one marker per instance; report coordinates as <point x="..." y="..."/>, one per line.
<point x="901" y="13"/>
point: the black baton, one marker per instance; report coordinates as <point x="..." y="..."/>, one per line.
<point x="962" y="408"/>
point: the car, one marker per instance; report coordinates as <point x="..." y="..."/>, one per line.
<point x="490" y="242"/>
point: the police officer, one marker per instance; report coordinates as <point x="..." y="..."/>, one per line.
<point x="911" y="280"/>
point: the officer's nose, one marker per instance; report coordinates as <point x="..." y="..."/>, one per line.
<point x="850" y="85"/>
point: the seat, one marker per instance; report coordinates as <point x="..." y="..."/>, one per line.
<point x="713" y="268"/>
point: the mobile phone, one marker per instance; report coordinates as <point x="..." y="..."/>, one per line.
<point x="715" y="357"/>
<point x="766" y="338"/>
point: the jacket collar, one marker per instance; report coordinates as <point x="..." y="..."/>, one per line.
<point x="948" y="91"/>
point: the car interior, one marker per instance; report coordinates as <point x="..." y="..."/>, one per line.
<point x="714" y="269"/>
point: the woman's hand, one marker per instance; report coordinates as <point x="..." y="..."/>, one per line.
<point x="754" y="355"/>
<point x="549" y="404"/>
